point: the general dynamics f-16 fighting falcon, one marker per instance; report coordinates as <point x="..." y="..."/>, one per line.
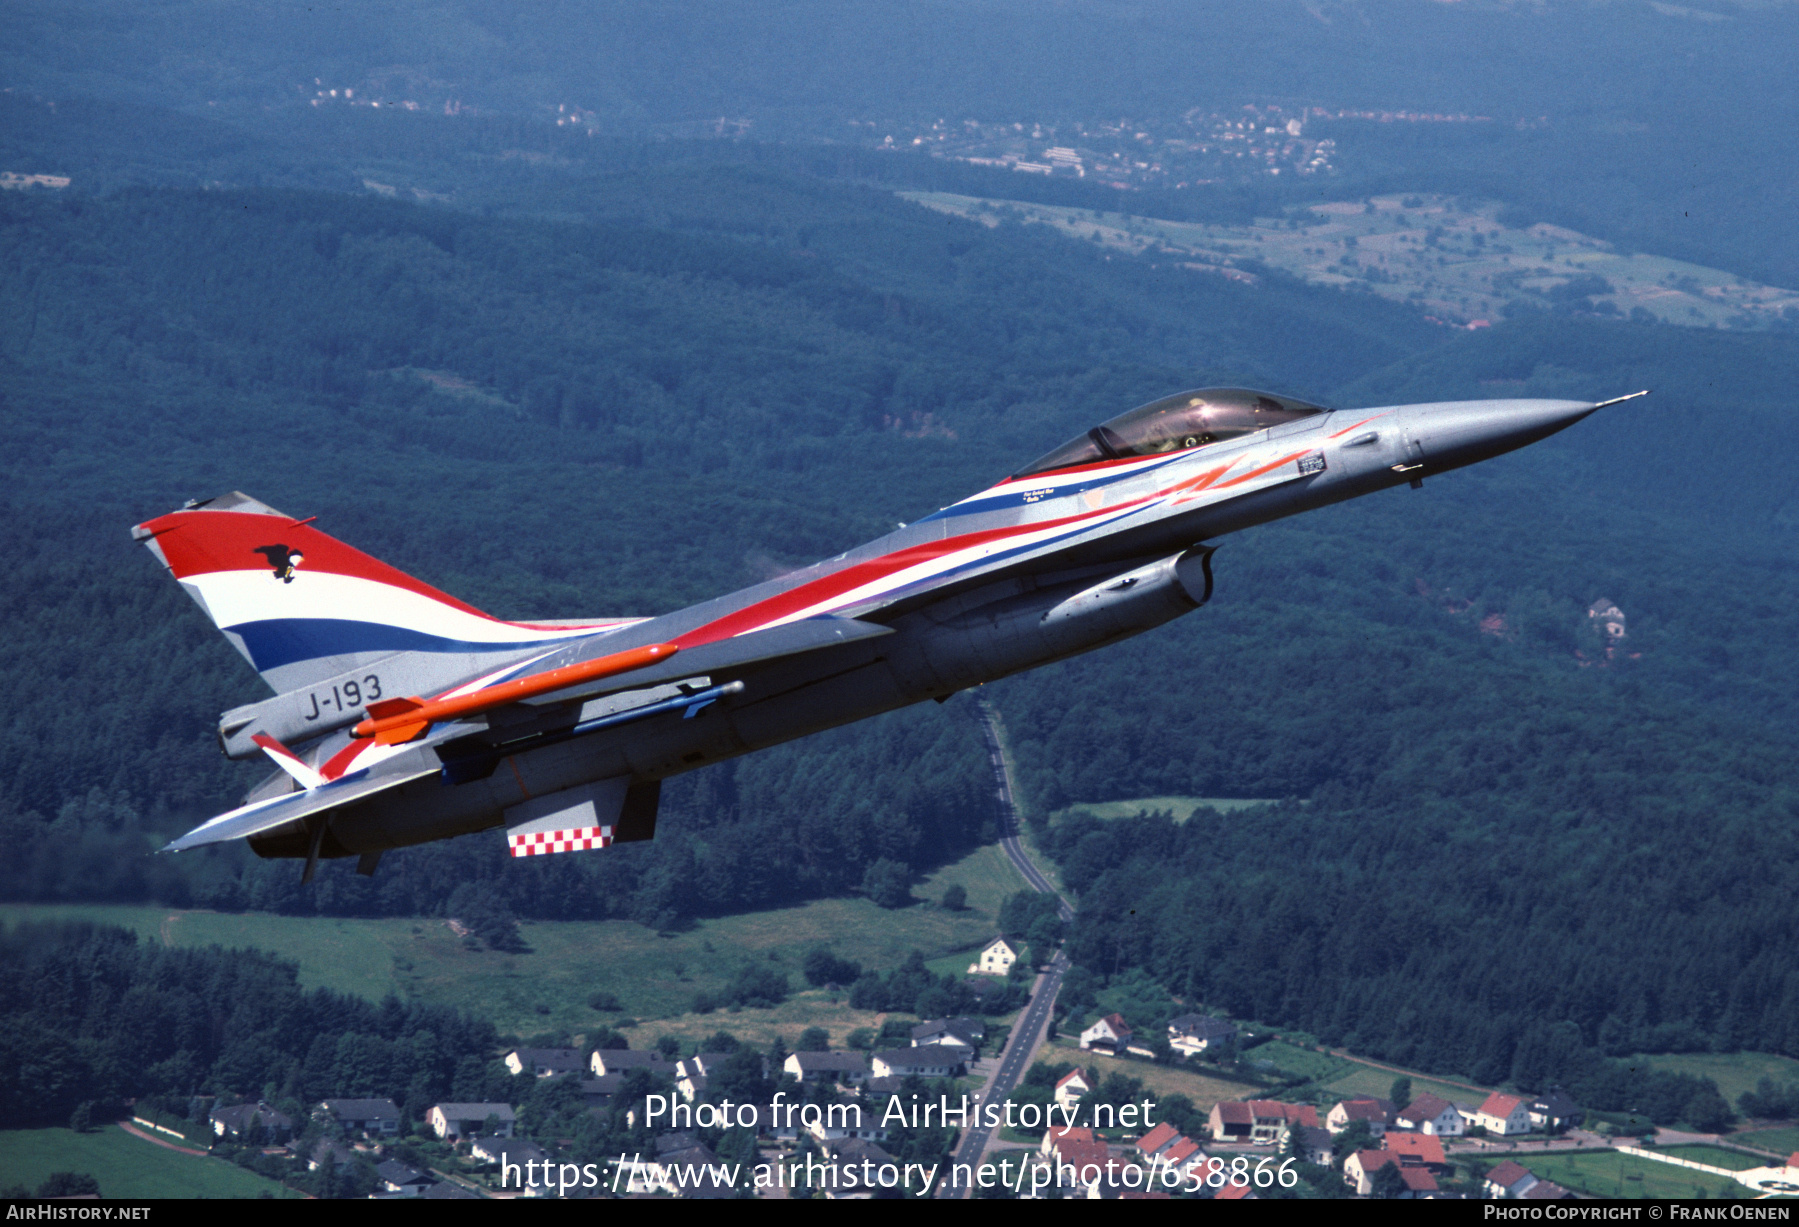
<point x="404" y="715"/>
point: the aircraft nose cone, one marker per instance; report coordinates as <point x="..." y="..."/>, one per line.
<point x="1448" y="436"/>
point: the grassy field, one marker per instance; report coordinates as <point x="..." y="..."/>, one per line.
<point x="1449" y="256"/>
<point x="1204" y="1089"/>
<point x="1734" y="1072"/>
<point x="1282" y="1059"/>
<point x="986" y="874"/>
<point x="1782" y="1142"/>
<point x="654" y="976"/>
<point x="124" y="1165"/>
<point x="1713" y="1156"/>
<point x="1181" y="807"/>
<point x="1362" y="1079"/>
<point x="1610" y="1174"/>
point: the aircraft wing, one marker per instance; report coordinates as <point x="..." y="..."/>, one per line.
<point x="267" y="814"/>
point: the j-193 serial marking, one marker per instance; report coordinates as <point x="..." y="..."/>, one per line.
<point x="345" y="696"/>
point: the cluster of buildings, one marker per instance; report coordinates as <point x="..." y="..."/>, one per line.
<point x="1198" y="147"/>
<point x="1189" y="1036"/>
<point x="1411" y="1139"/>
<point x="1501" y="1115"/>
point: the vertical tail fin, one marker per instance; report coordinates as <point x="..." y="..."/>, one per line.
<point x="301" y="606"/>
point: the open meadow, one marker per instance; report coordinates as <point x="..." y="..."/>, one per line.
<point x="125" y="1166"/>
<point x="1609" y="1173"/>
<point x="655" y="976"/>
<point x="1734" y="1072"/>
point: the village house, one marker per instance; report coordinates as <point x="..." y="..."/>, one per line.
<point x="1360" y="1169"/>
<point x="597" y="1093"/>
<point x="1431" y="1114"/>
<point x="996" y="959"/>
<point x="376" y="1117"/>
<point x="1192" y="1034"/>
<point x="930" y="1061"/>
<point x="1258" y="1120"/>
<point x="623" y="1060"/>
<point x="1110" y="1034"/>
<point x="840" y="1068"/>
<point x="696" y="1165"/>
<point x="1314" y="1145"/>
<point x="252" y="1122"/>
<point x="544" y="1062"/>
<point x="1553" y="1111"/>
<point x="846" y="1157"/>
<point x="321" y="1151"/>
<point x="1183" y="1156"/>
<point x="1156" y="1141"/>
<point x="1071" y="1086"/>
<point x="832" y="1126"/>
<point x="1377" y="1114"/>
<point x="964" y="1033"/>
<point x="1417" y="1150"/>
<point x="1503" y="1115"/>
<point x="509" y="1151"/>
<point x="1509" y="1179"/>
<point x="401" y="1180"/>
<point x="1076" y="1146"/>
<point x="451" y="1121"/>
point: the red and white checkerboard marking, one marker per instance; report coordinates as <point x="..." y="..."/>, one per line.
<point x="576" y="839"/>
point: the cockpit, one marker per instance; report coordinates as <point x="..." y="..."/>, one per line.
<point x="1173" y="424"/>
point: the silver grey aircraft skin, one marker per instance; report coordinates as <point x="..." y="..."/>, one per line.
<point x="1104" y="538"/>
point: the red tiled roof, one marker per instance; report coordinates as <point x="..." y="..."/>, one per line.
<point x="1508" y="1173"/>
<point x="1231" y="1192"/>
<point x="1423" y="1146"/>
<point x="1235" y="1112"/>
<point x="1070" y="1076"/>
<point x="1292" y="1113"/>
<point x="1180" y="1152"/>
<point x="1081" y="1153"/>
<point x="1419" y="1179"/>
<point x="1157" y="1138"/>
<point x="1070" y="1133"/>
<point x="1362" y="1109"/>
<point x="1500" y="1105"/>
<point x="1423" y="1108"/>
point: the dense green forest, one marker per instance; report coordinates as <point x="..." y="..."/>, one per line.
<point x="92" y="1015"/>
<point x="705" y="372"/>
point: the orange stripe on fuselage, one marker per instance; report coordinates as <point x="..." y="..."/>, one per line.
<point x="1267" y="468"/>
<point x="1339" y="434"/>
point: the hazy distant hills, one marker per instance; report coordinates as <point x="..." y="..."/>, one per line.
<point x="1661" y="126"/>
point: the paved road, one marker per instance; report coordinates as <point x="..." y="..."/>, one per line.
<point x="1008" y="812"/>
<point x="1021" y="1047"/>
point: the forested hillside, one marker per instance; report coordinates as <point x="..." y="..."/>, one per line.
<point x="708" y="373"/>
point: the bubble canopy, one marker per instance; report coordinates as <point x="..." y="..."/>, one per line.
<point x="1175" y="423"/>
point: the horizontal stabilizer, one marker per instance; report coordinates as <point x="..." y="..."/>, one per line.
<point x="266" y="815"/>
<point x="289" y="762"/>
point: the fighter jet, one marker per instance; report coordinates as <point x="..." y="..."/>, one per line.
<point x="403" y="715"/>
